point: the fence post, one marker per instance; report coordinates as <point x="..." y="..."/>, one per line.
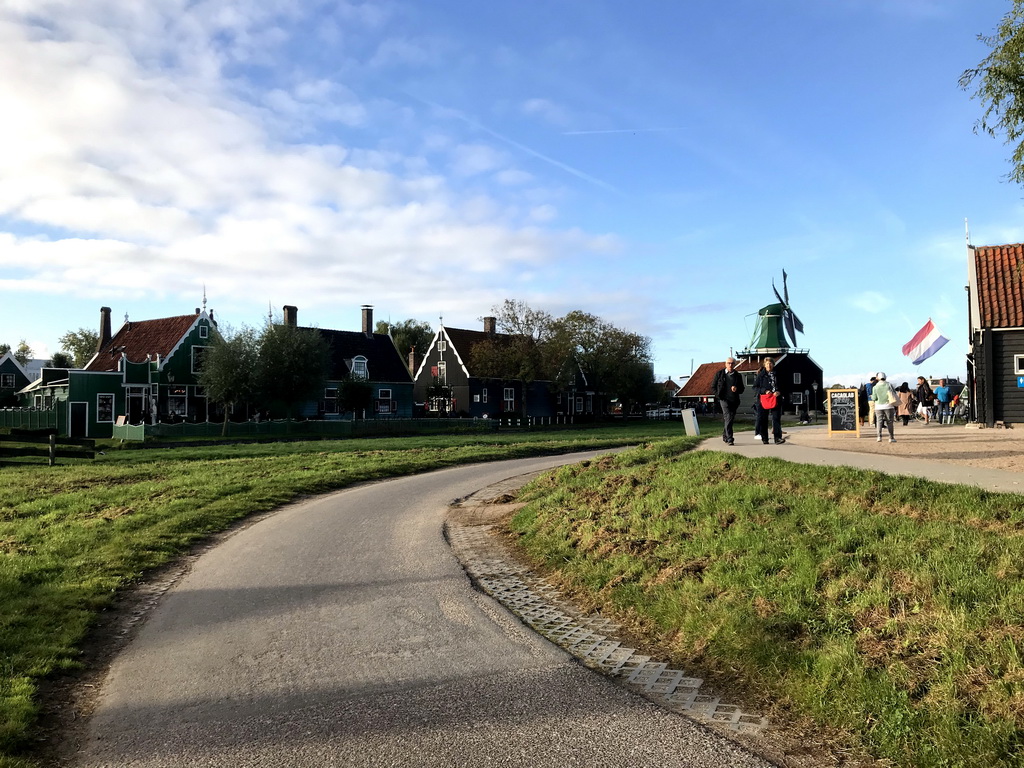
<point x="53" y="450"/>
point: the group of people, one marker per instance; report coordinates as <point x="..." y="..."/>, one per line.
<point x="727" y="388"/>
<point x="882" y="404"/>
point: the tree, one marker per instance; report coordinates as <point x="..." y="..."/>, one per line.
<point x="81" y="344"/>
<point x="534" y="346"/>
<point x="520" y="352"/>
<point x="999" y="84"/>
<point x="229" y="369"/>
<point x="618" y="361"/>
<point x="293" y="365"/>
<point x="61" y="360"/>
<point x="22" y="354"/>
<point x="408" y="334"/>
<point x="354" y="395"/>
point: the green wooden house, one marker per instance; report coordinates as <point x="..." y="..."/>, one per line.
<point x="146" y="372"/>
<point x="13" y="378"/>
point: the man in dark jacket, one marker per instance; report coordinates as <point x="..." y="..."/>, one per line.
<point x="728" y="386"/>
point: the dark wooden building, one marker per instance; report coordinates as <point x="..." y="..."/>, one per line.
<point x="995" y="365"/>
<point x="362" y="356"/>
<point x="448" y="381"/>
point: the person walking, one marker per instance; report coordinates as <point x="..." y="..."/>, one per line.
<point x="768" y="402"/>
<point x="905" y="405"/>
<point x="943" y="398"/>
<point x="727" y="387"/>
<point x="885" y="399"/>
<point x="924" y="398"/>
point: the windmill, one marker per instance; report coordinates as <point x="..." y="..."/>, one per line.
<point x="777" y="324"/>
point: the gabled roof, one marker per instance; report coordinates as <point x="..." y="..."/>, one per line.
<point x="140" y="339"/>
<point x="1000" y="285"/>
<point x="700" y="383"/>
<point x="8" y="360"/>
<point x="461" y="343"/>
<point x="383" y="362"/>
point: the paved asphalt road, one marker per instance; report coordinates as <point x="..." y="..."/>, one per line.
<point x="341" y="631"/>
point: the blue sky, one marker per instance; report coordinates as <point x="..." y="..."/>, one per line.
<point x="656" y="163"/>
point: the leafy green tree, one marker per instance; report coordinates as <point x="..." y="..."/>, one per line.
<point x="519" y="353"/>
<point x="61" y="360"/>
<point x="616" y="360"/>
<point x="408" y="334"/>
<point x="23" y="353"/>
<point x="293" y="366"/>
<point x="999" y="84"/>
<point x="81" y="344"/>
<point x="229" y="369"/>
<point x="354" y="396"/>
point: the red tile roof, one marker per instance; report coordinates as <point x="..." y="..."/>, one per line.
<point x="137" y="339"/>
<point x="700" y="382"/>
<point x="1000" y="275"/>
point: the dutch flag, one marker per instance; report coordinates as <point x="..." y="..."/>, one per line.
<point x="925" y="343"/>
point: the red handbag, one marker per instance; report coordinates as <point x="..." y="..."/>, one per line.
<point x="769" y="401"/>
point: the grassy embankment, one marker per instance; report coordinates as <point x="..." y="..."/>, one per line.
<point x="71" y="536"/>
<point x="890" y="607"/>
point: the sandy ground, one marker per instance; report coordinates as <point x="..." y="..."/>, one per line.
<point x="953" y="443"/>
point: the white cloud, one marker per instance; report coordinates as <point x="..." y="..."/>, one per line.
<point x="474" y="159"/>
<point x="547" y="111"/>
<point x="870" y="301"/>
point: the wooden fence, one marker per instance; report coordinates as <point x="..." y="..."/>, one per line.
<point x="51" y="447"/>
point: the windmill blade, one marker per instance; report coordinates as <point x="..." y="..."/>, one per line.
<point x="785" y="288"/>
<point x="796" y="322"/>
<point x="787" y="319"/>
<point x="781" y="300"/>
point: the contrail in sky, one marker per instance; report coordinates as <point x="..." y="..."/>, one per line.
<point x="619" y="130"/>
<point x="512" y="142"/>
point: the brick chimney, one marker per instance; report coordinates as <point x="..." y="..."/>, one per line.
<point x="490" y="325"/>
<point x="412" y="360"/>
<point x="105" y="335"/>
<point x="291" y="315"/>
<point x="367" y="319"/>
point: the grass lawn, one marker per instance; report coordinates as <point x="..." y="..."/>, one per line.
<point x="890" y="607"/>
<point x="72" y="536"/>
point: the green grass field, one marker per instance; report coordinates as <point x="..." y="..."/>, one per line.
<point x="890" y="607"/>
<point x="72" y="536"/>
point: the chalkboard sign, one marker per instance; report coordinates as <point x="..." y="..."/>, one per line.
<point x="842" y="411"/>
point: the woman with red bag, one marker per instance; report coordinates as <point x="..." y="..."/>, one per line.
<point x="768" y="402"/>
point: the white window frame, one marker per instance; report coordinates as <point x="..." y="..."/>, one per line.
<point x="797" y="377"/>
<point x="6" y="381"/>
<point x="1018" y="365"/>
<point x="510" y="398"/>
<point x="483" y="395"/>
<point x="796" y="398"/>
<point x="204" y="331"/>
<point x="442" y="345"/>
<point x="384" y="394"/>
<point x="359" y="368"/>
<point x="442" y="372"/>
<point x="99" y="409"/>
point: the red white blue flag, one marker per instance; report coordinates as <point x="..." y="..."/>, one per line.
<point x="925" y="343"/>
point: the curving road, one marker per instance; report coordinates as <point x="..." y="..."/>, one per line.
<point x="341" y="631"/>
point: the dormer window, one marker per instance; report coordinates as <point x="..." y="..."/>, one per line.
<point x="359" y="368"/>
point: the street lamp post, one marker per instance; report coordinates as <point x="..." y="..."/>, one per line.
<point x="814" y="386"/>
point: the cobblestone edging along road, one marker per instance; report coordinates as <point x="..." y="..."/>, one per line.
<point x="591" y="639"/>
